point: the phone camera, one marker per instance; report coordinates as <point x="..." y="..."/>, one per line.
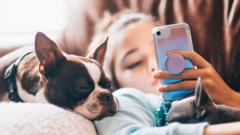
<point x="158" y="33"/>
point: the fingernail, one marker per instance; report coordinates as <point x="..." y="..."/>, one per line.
<point x="173" y="52"/>
<point x="170" y="52"/>
<point x="155" y="74"/>
<point x="162" y="88"/>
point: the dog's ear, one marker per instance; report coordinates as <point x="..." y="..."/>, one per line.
<point x="202" y="101"/>
<point x="201" y="96"/>
<point x="48" y="53"/>
<point x="99" y="53"/>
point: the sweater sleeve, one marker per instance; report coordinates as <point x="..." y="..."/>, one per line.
<point x="136" y="116"/>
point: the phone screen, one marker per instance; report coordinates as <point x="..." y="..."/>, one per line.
<point x="169" y="38"/>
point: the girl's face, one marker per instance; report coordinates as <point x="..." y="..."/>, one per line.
<point x="134" y="57"/>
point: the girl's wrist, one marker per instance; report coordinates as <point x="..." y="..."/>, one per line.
<point x="235" y="101"/>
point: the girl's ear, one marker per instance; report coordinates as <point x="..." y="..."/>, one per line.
<point x="99" y="53"/>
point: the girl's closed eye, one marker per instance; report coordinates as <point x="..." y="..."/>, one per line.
<point x="133" y="61"/>
<point x="134" y="64"/>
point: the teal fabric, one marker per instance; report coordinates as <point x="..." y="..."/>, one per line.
<point x="162" y="113"/>
<point x="136" y="115"/>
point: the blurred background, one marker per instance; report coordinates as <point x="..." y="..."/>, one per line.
<point x="21" y="19"/>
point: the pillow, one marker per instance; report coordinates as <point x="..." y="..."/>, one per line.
<point x="40" y="119"/>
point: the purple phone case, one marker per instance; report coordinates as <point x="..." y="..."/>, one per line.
<point x="172" y="37"/>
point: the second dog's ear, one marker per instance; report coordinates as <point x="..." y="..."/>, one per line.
<point x="99" y="53"/>
<point x="201" y="96"/>
<point x="202" y="101"/>
<point x="47" y="52"/>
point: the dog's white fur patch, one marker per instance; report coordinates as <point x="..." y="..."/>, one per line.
<point x="26" y="97"/>
<point x="94" y="71"/>
<point x="83" y="109"/>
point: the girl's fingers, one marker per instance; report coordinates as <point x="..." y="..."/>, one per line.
<point x="203" y="71"/>
<point x="195" y="58"/>
<point x="184" y="85"/>
<point x="187" y="74"/>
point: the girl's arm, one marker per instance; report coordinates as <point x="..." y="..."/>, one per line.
<point x="223" y="129"/>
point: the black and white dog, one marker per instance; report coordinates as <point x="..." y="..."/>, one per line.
<point x="49" y="75"/>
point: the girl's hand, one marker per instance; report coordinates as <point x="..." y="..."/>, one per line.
<point x="212" y="83"/>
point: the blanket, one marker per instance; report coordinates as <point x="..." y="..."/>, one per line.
<point x="41" y="119"/>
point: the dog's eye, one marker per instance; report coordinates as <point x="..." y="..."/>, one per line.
<point x="106" y="84"/>
<point x="78" y="88"/>
<point x="83" y="84"/>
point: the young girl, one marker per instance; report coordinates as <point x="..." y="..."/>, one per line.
<point x="130" y="57"/>
<point x="129" y="62"/>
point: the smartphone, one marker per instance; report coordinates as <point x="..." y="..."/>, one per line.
<point x="168" y="38"/>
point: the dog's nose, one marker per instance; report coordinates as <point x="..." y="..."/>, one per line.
<point x="105" y="97"/>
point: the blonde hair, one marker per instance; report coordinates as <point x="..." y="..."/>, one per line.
<point x="110" y="25"/>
